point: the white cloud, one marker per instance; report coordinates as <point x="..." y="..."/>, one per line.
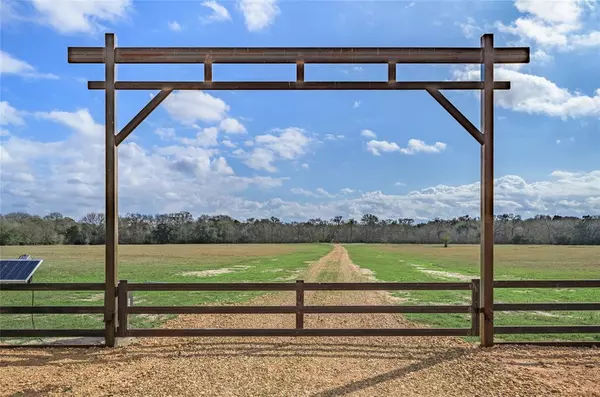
<point x="368" y="134"/>
<point x="305" y="166"/>
<point x="399" y="184"/>
<point x="4" y="132"/>
<point x="228" y="143"/>
<point x="165" y="133"/>
<point x="219" y="13"/>
<point x="12" y="65"/>
<point x="232" y="126"/>
<point x="68" y="175"/>
<point x="331" y="137"/>
<point x="541" y="57"/>
<point x="537" y="95"/>
<point x="318" y="193"/>
<point x="189" y="107"/>
<point x="418" y="146"/>
<point x="175" y="26"/>
<point x="376" y="147"/>
<point x="80" y="16"/>
<point x="259" y="14"/>
<point x="347" y="191"/>
<point x="553" y="24"/>
<point x="290" y="144"/>
<point x="205" y="137"/>
<point x="414" y="146"/>
<point x="356" y="104"/>
<point x="469" y="28"/>
<point x="9" y="115"/>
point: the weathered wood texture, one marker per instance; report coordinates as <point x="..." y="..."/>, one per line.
<point x="487" y="192"/>
<point x="299" y="86"/>
<point x="141" y="116"/>
<point x="457" y="114"/>
<point x="111" y="169"/>
<point x="443" y="55"/>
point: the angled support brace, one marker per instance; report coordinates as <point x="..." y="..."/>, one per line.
<point x="454" y="112"/>
<point x="141" y="116"/>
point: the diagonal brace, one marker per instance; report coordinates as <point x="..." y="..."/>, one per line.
<point x="141" y="116"/>
<point x="454" y="112"/>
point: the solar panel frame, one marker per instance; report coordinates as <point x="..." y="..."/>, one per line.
<point x="15" y="276"/>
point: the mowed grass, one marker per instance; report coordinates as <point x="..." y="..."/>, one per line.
<point x="461" y="262"/>
<point x="151" y="263"/>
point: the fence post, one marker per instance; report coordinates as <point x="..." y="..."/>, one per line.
<point x="122" y="309"/>
<point x="475" y="289"/>
<point x="299" y="304"/>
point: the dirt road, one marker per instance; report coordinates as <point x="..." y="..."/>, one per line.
<point x="361" y="366"/>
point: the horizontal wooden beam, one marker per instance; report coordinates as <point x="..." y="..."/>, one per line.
<point x="300" y="332"/>
<point x="51" y="309"/>
<point x="27" y="333"/>
<point x="439" y="286"/>
<point x="141" y="116"/>
<point x="547" y="284"/>
<point x="439" y="55"/>
<point x="294" y="309"/>
<point x="53" y="287"/>
<point x="457" y="114"/>
<point x="549" y="329"/>
<point x="295" y="85"/>
<point x="506" y="307"/>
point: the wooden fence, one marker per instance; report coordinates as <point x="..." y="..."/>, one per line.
<point x="300" y="309"/>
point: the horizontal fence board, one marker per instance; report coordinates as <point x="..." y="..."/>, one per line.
<point x="545" y="306"/>
<point x="553" y="343"/>
<point x="294" y="309"/>
<point x="548" y="329"/>
<point x="274" y="55"/>
<point x="547" y="284"/>
<point x="23" y="333"/>
<point x="441" y="286"/>
<point x="53" y="287"/>
<point x="51" y="309"/>
<point x="295" y="85"/>
<point x="300" y="332"/>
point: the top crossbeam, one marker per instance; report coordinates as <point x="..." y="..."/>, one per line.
<point x="286" y="55"/>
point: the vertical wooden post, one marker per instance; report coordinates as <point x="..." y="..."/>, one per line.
<point x="122" y="312"/>
<point x="111" y="238"/>
<point x="300" y="72"/>
<point x="475" y="288"/>
<point x="299" y="304"/>
<point x="487" y="192"/>
<point x="391" y="72"/>
<point x="208" y="71"/>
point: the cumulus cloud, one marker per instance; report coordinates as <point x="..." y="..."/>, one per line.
<point x="68" y="175"/>
<point x="287" y="144"/>
<point x="189" y="107"/>
<point x="332" y="137"/>
<point x="368" y="134"/>
<point x="318" y="193"/>
<point x="414" y="146"/>
<point x="232" y="126"/>
<point x="9" y="115"/>
<point x="553" y="24"/>
<point x="259" y="14"/>
<point x="10" y="65"/>
<point x="219" y="13"/>
<point x="537" y="95"/>
<point x="175" y="26"/>
<point x="87" y="16"/>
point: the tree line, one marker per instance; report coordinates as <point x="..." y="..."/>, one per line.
<point x="181" y="228"/>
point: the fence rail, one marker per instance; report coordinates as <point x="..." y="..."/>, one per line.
<point x="300" y="309"/>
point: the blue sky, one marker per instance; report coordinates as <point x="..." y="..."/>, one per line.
<point x="300" y="155"/>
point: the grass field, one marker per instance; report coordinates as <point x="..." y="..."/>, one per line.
<point x="284" y="262"/>
<point x="461" y="262"/>
<point x="158" y="263"/>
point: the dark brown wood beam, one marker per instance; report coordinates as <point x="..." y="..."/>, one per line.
<point x="391" y="72"/>
<point x="141" y="116"/>
<point x="439" y="55"/>
<point x="158" y="332"/>
<point x="294" y="85"/>
<point x="457" y="114"/>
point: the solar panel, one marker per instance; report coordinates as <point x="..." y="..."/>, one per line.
<point x="18" y="270"/>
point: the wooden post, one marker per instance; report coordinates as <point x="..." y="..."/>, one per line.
<point x="122" y="312"/>
<point x="391" y="72"/>
<point x="208" y="71"/>
<point x="475" y="288"/>
<point x="299" y="303"/>
<point x="487" y="192"/>
<point x="300" y="72"/>
<point x="111" y="238"/>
